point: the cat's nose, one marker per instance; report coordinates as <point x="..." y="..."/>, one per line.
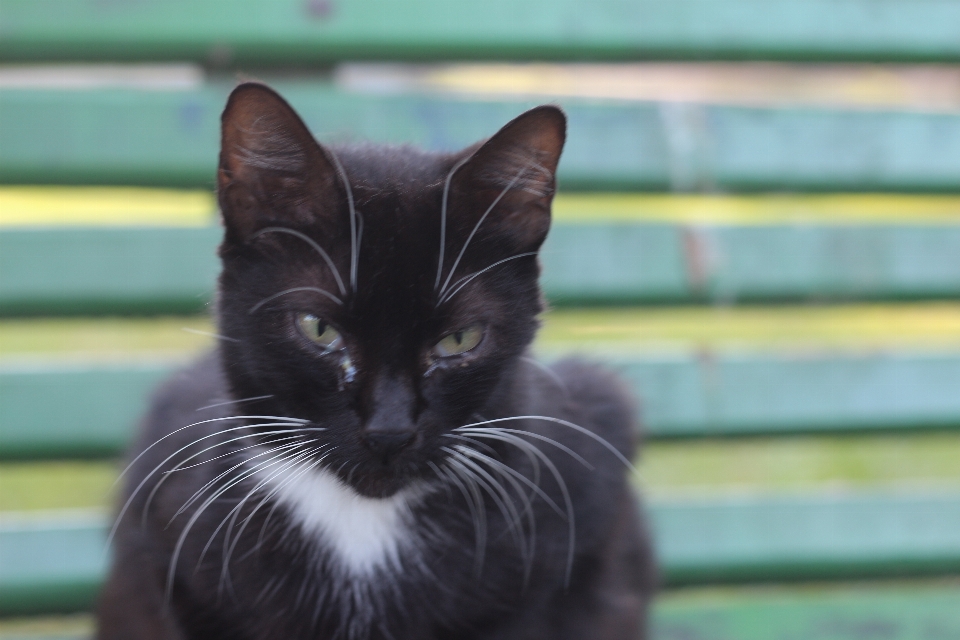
<point x="387" y="444"/>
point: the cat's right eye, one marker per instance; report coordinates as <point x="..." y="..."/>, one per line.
<point x="319" y="332"/>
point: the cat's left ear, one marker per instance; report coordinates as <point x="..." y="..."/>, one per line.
<point x="272" y="171"/>
<point x="511" y="178"/>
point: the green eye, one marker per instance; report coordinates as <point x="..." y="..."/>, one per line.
<point x="458" y="342"/>
<point x="319" y="332"/>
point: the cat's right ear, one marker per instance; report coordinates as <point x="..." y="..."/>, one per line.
<point x="272" y="171"/>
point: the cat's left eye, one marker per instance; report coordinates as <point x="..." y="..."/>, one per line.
<point x="319" y="332"/>
<point x="458" y="342"/>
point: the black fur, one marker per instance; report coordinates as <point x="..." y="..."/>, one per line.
<point x="388" y="405"/>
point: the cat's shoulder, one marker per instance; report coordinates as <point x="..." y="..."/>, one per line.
<point x="184" y="395"/>
<point x="598" y="398"/>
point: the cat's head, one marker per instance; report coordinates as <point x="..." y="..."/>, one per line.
<point x="383" y="293"/>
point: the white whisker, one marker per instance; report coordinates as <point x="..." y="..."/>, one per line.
<point x="323" y="292"/>
<point x="497" y="493"/>
<point x="181" y="540"/>
<point x="299" y="421"/>
<point x="443" y="218"/>
<point x="210" y="334"/>
<point x="295" y="426"/>
<point x="223" y="474"/>
<point x="511" y="436"/>
<point x="179" y="466"/>
<point x="550" y="373"/>
<point x="316" y="247"/>
<point x="566" y="423"/>
<point x="477" y="513"/>
<point x="242" y="400"/>
<point x="234" y="513"/>
<point x="354" y="239"/>
<point x="528" y="551"/>
<point x="464" y="281"/>
<point x="476" y="227"/>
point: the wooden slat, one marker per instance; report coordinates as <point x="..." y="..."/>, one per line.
<point x="807" y="537"/>
<point x="70" y="411"/>
<point x="50" y="410"/>
<point x="89" y="270"/>
<point x="286" y="31"/>
<point x="170" y="138"/>
<point x="850" y="612"/>
<point x="56" y="566"/>
<point x="898" y="612"/>
<point x="50" y="564"/>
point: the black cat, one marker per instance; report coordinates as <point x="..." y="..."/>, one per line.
<point x="370" y="452"/>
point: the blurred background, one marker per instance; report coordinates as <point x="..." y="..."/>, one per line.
<point x="758" y="223"/>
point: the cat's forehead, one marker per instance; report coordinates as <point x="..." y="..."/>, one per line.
<point x="397" y="170"/>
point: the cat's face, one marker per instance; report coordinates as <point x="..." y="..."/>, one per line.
<point x="384" y="294"/>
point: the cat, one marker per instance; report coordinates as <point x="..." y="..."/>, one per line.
<point x="370" y="451"/>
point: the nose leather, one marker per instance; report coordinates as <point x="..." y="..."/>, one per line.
<point x="387" y="444"/>
<point x="391" y="426"/>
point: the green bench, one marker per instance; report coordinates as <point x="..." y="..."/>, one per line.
<point x="603" y="250"/>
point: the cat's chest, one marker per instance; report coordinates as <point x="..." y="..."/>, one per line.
<point x="362" y="535"/>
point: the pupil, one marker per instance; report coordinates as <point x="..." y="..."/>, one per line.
<point x="458" y="336"/>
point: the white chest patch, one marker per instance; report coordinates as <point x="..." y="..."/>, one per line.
<point x="364" y="533"/>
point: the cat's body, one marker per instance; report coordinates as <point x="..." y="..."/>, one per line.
<point x="383" y="459"/>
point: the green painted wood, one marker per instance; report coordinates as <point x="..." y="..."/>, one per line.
<point x="171" y="138"/>
<point x="316" y="31"/>
<point x="857" y="612"/>
<point x="60" y="410"/>
<point x="56" y="565"/>
<point x="721" y="395"/>
<point x="72" y="410"/>
<point x="807" y="537"/>
<point x="91" y="270"/>
<point x="148" y="270"/>
<point x="908" y="612"/>
<point x="50" y="565"/>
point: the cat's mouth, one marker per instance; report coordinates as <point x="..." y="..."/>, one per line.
<point x="377" y="481"/>
<point x="375" y="472"/>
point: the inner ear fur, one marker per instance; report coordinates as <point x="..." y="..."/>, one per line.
<point x="514" y="172"/>
<point x="271" y="171"/>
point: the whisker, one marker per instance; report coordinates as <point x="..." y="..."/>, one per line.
<point x="243" y="462"/>
<point x="242" y="400"/>
<point x="316" y="247"/>
<point x="180" y="467"/>
<point x="234" y="513"/>
<point x="524" y="447"/>
<point x="511" y="438"/>
<point x="566" y="423"/>
<point x="466" y="244"/>
<point x="550" y="373"/>
<point x="181" y="540"/>
<point x="529" y="550"/>
<point x="299" y="421"/>
<point x="467" y="279"/>
<point x="497" y="492"/>
<point x="516" y="474"/>
<point x="260" y="537"/>
<point x="305" y="467"/>
<point x="443" y="218"/>
<point x="476" y="513"/>
<point x="113" y="530"/>
<point x="209" y="334"/>
<point x="536" y="436"/>
<point x="324" y="292"/>
<point x="354" y="241"/>
<point x="471" y="441"/>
